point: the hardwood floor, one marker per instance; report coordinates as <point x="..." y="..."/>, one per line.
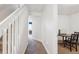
<point x="35" y="47"/>
<point x="1" y="45"/>
<point x="65" y="50"/>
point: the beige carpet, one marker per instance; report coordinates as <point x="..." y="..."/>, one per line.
<point x="35" y="47"/>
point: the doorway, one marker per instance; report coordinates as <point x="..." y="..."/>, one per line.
<point x="30" y="27"/>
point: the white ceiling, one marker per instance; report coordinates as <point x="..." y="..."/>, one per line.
<point x="35" y="7"/>
<point x="63" y="9"/>
<point x="68" y="9"/>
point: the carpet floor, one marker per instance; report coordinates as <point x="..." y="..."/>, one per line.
<point x="35" y="47"/>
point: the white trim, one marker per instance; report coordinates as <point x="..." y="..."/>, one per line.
<point x="43" y="45"/>
<point x="45" y="48"/>
<point x="9" y="16"/>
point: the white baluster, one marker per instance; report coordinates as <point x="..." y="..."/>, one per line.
<point x="9" y="39"/>
<point x="16" y="35"/>
<point x="5" y="43"/>
<point x="13" y="37"/>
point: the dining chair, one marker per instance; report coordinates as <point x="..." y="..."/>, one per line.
<point x="71" y="41"/>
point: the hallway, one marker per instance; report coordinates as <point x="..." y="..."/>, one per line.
<point x="35" y="47"/>
<point x="14" y="29"/>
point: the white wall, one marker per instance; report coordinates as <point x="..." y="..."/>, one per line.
<point x="23" y="31"/>
<point x="64" y="23"/>
<point x="68" y="23"/>
<point x="74" y="22"/>
<point x="36" y="27"/>
<point x="49" y="28"/>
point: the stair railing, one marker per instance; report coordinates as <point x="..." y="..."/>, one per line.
<point x="9" y="31"/>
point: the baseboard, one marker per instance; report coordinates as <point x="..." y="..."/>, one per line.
<point x="25" y="49"/>
<point x="42" y="44"/>
<point x="37" y="39"/>
<point x="45" y="48"/>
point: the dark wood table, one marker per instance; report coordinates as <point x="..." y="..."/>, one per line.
<point x="64" y="36"/>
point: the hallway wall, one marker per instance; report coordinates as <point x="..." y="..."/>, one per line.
<point x="49" y="28"/>
<point x="36" y="25"/>
<point x="23" y="31"/>
<point x="36" y="28"/>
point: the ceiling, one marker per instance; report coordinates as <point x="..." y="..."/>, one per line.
<point x="68" y="9"/>
<point x="63" y="9"/>
<point x="35" y="9"/>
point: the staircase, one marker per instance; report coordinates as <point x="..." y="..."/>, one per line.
<point x="11" y="30"/>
